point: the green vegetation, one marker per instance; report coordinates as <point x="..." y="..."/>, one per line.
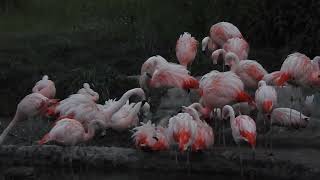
<point x="74" y="41"/>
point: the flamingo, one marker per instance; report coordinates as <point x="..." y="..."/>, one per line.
<point x="221" y="32"/>
<point x="297" y="69"/>
<point x="204" y="137"/>
<point x="272" y="78"/>
<point x="32" y="105"/>
<point x="236" y="46"/>
<point x="221" y="88"/>
<point x="157" y="72"/>
<point x="249" y="71"/>
<point x="147" y="136"/>
<point x="86" y="90"/>
<point x="84" y="109"/>
<point x="186" y="49"/>
<point x="287" y="117"/>
<point x="70" y="132"/>
<point x="207" y="46"/>
<point x="45" y="87"/>
<point x="243" y="129"/>
<point x="266" y="100"/>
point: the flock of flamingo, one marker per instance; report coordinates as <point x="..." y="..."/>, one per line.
<point x="232" y="95"/>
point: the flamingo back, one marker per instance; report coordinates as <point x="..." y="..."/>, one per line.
<point x="186" y="49"/>
<point x="289" y="118"/>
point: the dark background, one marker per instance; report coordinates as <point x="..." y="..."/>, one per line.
<point x="103" y="41"/>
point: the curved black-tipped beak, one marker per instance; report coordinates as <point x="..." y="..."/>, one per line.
<point x="154" y="137"/>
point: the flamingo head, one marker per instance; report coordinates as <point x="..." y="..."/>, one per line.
<point x="205" y="112"/>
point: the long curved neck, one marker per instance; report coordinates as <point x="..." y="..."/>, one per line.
<point x="197" y="106"/>
<point x="230" y="111"/>
<point x="118" y="104"/>
<point x="16" y="118"/>
<point x="231" y="59"/>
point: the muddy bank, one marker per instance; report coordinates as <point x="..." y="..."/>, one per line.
<point x="214" y="162"/>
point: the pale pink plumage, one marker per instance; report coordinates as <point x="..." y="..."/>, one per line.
<point x="69" y="132"/>
<point x="186" y="49"/>
<point x="182" y="130"/>
<point x="299" y="70"/>
<point x="157" y="72"/>
<point x="265" y="97"/>
<point x="236" y="46"/>
<point x="31" y="105"/>
<point x="249" y="71"/>
<point x="147" y="136"/>
<point x="243" y="127"/>
<point x="289" y="118"/>
<point x="219" y="89"/>
<point x="221" y="32"/>
<point x="86" y="90"/>
<point x="272" y="78"/>
<point x="45" y="87"/>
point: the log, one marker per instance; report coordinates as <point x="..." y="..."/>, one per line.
<point x="213" y="162"/>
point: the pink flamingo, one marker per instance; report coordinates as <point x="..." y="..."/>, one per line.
<point x="86" y="90"/>
<point x="265" y="97"/>
<point x="182" y="130"/>
<point x="299" y="70"/>
<point x="45" y="87"/>
<point x="207" y="46"/>
<point x="70" y="132"/>
<point x="219" y="89"/>
<point x="147" y="136"/>
<point x="221" y="32"/>
<point x="186" y="49"/>
<point x="34" y="104"/>
<point x="249" y="71"/>
<point x="272" y="78"/>
<point x="243" y="129"/>
<point x="236" y="46"/>
<point x="287" y="117"/>
<point x="204" y="137"/>
<point x="84" y="109"/>
<point x="157" y="72"/>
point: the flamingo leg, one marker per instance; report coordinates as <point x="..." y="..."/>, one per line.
<point x="224" y="140"/>
<point x="240" y="159"/>
<point x="271" y="138"/>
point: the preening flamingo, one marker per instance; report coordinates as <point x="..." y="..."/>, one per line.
<point x="236" y="46"/>
<point x="31" y="105"/>
<point x="186" y="49"/>
<point x="157" y="72"/>
<point x="221" y="32"/>
<point x="207" y="46"/>
<point x="70" y="132"/>
<point x="147" y="136"/>
<point x="45" y="87"/>
<point x="243" y="129"/>
<point x="84" y="109"/>
<point x="182" y="130"/>
<point x="249" y="71"/>
<point x="221" y="88"/>
<point x="204" y="137"/>
<point x="86" y="90"/>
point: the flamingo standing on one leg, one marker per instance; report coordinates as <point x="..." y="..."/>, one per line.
<point x="243" y="129"/>
<point x="70" y="132"/>
<point x="186" y="49"/>
<point x="31" y="105"/>
<point x="45" y="87"/>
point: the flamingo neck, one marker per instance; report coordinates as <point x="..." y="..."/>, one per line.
<point x="122" y="101"/>
<point x="231" y="59"/>
<point x="16" y="118"/>
<point x="229" y="110"/>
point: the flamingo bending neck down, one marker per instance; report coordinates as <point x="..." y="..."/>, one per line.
<point x="86" y="90"/>
<point x="70" y="132"/>
<point x="31" y="105"/>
